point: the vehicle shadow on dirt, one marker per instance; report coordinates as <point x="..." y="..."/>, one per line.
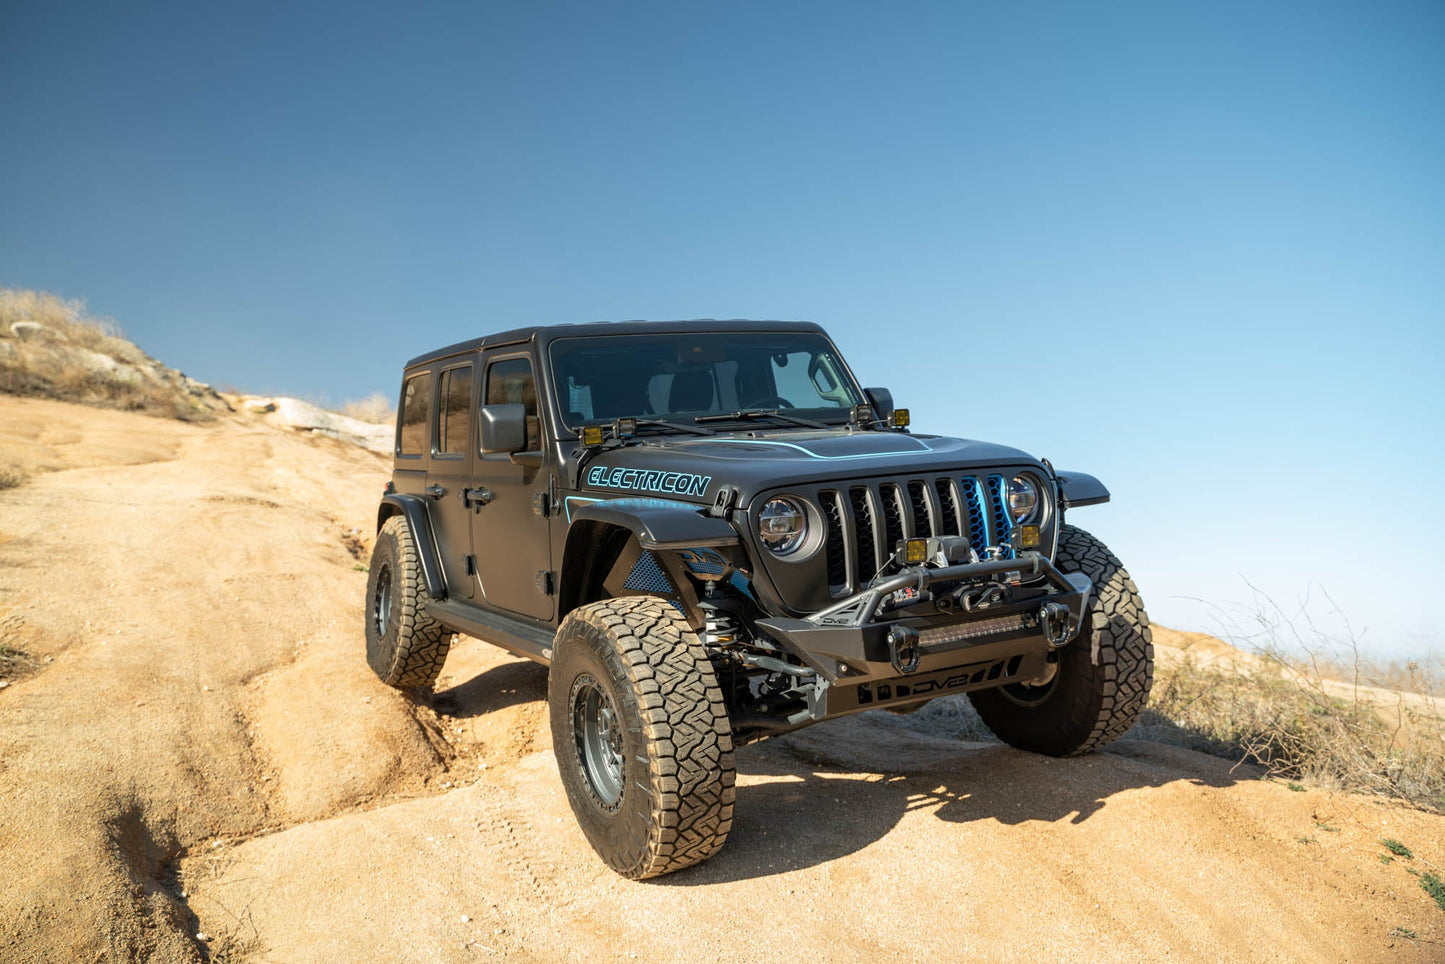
<point x="510" y="684"/>
<point x="823" y="793"/>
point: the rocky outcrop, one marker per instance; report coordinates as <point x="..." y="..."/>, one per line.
<point x="79" y="361"/>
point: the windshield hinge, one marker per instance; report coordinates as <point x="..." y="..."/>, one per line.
<point x="724" y="502"/>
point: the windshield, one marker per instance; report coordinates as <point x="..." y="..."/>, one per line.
<point x="680" y="375"/>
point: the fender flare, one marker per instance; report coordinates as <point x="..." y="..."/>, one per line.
<point x="1079" y="489"/>
<point x="655" y="525"/>
<point x="413" y="508"/>
<point x="660" y="523"/>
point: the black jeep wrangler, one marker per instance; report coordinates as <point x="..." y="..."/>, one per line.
<point x="711" y="534"/>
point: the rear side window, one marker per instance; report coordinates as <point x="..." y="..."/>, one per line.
<point x="454" y="423"/>
<point x="510" y="382"/>
<point x="415" y="406"/>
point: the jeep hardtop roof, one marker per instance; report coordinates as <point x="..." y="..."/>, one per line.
<point x="546" y="333"/>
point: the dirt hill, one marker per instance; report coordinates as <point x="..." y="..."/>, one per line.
<point x="196" y="763"/>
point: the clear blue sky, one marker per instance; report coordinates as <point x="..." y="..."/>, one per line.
<point x="1198" y="250"/>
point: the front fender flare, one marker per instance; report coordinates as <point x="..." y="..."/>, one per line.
<point x="413" y="509"/>
<point x="660" y="523"/>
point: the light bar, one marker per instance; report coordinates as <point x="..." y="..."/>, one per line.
<point x="983" y="627"/>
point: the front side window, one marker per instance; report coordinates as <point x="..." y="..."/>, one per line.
<point x="454" y="426"/>
<point x="415" y="407"/>
<point x="510" y="382"/>
<point x="680" y="375"/>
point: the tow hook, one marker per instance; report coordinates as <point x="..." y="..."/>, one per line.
<point x="1054" y="620"/>
<point x="903" y="651"/>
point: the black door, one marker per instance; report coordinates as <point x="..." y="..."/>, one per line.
<point x="510" y="538"/>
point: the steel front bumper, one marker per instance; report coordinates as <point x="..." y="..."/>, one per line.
<point x="855" y="646"/>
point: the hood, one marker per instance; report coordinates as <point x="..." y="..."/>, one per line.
<point x="695" y="468"/>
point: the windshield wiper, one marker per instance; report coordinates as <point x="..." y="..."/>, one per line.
<point x="748" y="414"/>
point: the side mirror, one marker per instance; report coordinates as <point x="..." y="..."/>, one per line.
<point x="882" y="401"/>
<point x="504" y="428"/>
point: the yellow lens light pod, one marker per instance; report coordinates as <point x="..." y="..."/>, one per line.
<point x="915" y="551"/>
<point x="900" y="418"/>
<point x="1028" y="537"/>
<point x="592" y="435"/>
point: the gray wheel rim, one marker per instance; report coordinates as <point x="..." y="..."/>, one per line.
<point x="598" y="731"/>
<point x="381" y="601"/>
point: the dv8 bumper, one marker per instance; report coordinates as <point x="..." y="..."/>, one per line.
<point x="856" y="641"/>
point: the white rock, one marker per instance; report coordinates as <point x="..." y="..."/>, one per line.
<point x="35" y="331"/>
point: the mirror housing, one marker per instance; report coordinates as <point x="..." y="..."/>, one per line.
<point x="504" y="429"/>
<point x="882" y="401"/>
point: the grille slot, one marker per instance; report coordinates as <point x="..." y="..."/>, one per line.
<point x="836" y="548"/>
<point x="947" y="506"/>
<point x="865" y="522"/>
<point x="918" y="500"/>
<point x="892" y="516"/>
<point x="866" y="526"/>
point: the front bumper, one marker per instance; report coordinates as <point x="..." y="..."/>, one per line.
<point x="855" y="642"/>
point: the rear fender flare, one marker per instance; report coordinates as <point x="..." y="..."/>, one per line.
<point x="413" y="509"/>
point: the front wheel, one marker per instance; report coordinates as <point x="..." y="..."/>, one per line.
<point x="641" y="736"/>
<point x="1101" y="682"/>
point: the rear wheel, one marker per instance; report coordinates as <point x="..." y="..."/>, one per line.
<point x="1101" y="682"/>
<point x="641" y="736"/>
<point x="404" y="646"/>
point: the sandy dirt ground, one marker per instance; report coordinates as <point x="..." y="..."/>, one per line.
<point x="196" y="764"/>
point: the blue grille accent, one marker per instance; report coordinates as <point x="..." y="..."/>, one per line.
<point x="647" y="576"/>
<point x="977" y="522"/>
<point x="1003" y="522"/>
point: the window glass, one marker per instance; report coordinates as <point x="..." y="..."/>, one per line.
<point x="510" y="382"/>
<point x="454" y="425"/>
<point x="415" y="406"/>
<point x="680" y="375"/>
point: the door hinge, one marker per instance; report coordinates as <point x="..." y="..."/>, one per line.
<point x="479" y="496"/>
<point x="471" y="565"/>
<point x="542" y="504"/>
<point x="544" y="582"/>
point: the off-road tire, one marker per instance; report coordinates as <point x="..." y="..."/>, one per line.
<point x="1103" y="677"/>
<point x="404" y="646"/>
<point x="676" y="752"/>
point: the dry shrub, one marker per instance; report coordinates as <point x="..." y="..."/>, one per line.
<point x="61" y="363"/>
<point x="11" y="477"/>
<point x="375" y="408"/>
<point x="68" y="317"/>
<point x="1300" y="725"/>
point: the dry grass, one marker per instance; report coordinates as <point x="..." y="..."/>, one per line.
<point x="65" y="362"/>
<point x="1301" y="725"/>
<point x="375" y="408"/>
<point x="11" y="477"/>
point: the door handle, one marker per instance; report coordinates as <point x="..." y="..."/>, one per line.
<point x="481" y="495"/>
<point x="435" y="491"/>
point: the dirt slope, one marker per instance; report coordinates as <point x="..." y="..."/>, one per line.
<point x="192" y="744"/>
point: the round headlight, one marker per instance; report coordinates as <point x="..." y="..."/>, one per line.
<point x="1023" y="498"/>
<point x="782" y="525"/>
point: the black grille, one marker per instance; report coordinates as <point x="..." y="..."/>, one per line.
<point x="866" y="522"/>
<point x="947" y="507"/>
<point x="866" y="527"/>
<point x="892" y="516"/>
<point x="836" y="548"/>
